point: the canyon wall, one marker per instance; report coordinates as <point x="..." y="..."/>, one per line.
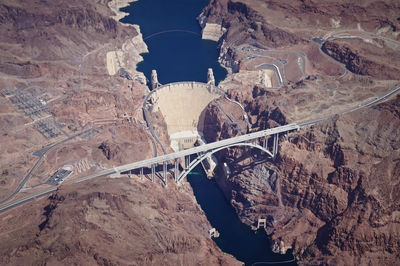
<point x="365" y="62"/>
<point x="56" y="51"/>
<point x="111" y="222"/>
<point x="331" y="193"/>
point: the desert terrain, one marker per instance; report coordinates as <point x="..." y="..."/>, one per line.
<point x="71" y="98"/>
<point x="331" y="193"/>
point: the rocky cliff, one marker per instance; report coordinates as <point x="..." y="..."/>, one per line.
<point x="332" y="193"/>
<point x="288" y="24"/>
<point x="53" y="59"/>
<point x="346" y="173"/>
<point x="56" y="52"/>
<point x="360" y="62"/>
<point x="244" y="24"/>
<point x="111" y="222"/>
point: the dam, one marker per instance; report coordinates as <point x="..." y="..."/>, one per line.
<point x="182" y="105"/>
<point x="181" y="61"/>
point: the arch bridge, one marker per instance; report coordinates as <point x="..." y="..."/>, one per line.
<point x="259" y="140"/>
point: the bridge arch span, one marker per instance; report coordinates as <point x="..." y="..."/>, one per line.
<point x="201" y="157"/>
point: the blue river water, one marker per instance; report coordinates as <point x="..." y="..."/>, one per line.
<point x="178" y="53"/>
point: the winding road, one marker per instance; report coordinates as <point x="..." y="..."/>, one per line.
<point x="42" y="154"/>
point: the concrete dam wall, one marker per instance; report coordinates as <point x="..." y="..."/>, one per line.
<point x="182" y="104"/>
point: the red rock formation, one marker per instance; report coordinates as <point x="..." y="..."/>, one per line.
<point x="358" y="62"/>
<point x="111" y="223"/>
<point x="245" y="24"/>
<point x="332" y="193"/>
<point x="110" y="150"/>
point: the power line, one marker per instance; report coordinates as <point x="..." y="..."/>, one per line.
<point x="169" y="31"/>
<point x="274" y="262"/>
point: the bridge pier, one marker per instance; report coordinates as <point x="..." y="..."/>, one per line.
<point x="176" y="168"/>
<point x="153" y="172"/>
<point x="275" y="145"/>
<point x="259" y="140"/>
<point x="165" y="173"/>
<point x="141" y="174"/>
<point x="187" y="161"/>
<point x="265" y="142"/>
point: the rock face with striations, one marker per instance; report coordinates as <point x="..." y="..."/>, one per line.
<point x="243" y="23"/>
<point x="358" y="62"/>
<point x="56" y="51"/>
<point x="331" y="194"/>
<point x="111" y="222"/>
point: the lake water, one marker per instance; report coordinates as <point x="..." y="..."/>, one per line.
<point x="173" y="36"/>
<point x="178" y="53"/>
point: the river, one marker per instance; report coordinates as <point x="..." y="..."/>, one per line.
<point x="178" y="53"/>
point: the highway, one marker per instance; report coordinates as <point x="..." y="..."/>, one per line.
<point x="377" y="100"/>
<point x="243" y="138"/>
<point x="206" y="147"/>
<point x="22" y="184"/>
<point x="195" y="150"/>
<point x="21" y="201"/>
<point x="41" y="153"/>
<point x="245" y="116"/>
<point x="331" y="35"/>
<point x="146" y="163"/>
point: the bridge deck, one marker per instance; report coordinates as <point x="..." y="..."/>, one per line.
<point x="206" y="147"/>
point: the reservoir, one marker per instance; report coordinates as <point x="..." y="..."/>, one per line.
<point x="173" y="37"/>
<point x="178" y="53"/>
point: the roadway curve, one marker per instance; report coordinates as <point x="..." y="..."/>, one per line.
<point x="377" y="100"/>
<point x="45" y="192"/>
<point x="42" y="154"/>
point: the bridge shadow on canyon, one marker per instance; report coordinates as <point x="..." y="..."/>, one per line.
<point x="255" y="156"/>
